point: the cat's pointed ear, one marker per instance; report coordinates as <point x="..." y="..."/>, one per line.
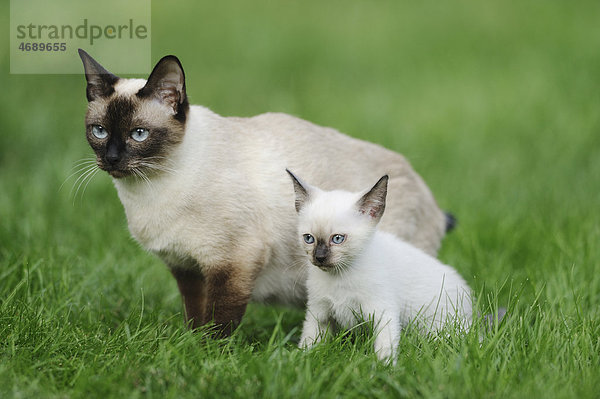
<point x="100" y="82"/>
<point x="372" y="203"/>
<point x="301" y="189"/>
<point x="166" y="83"/>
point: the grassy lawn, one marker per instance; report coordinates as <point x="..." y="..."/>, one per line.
<point x="497" y="106"/>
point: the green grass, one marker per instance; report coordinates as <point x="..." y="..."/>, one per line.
<point x="497" y="106"/>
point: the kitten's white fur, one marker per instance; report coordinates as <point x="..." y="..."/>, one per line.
<point x="227" y="198"/>
<point x="375" y="275"/>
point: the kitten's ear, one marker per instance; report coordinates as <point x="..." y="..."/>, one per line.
<point x="100" y="82"/>
<point x="373" y="202"/>
<point x="301" y="189"/>
<point x="166" y="83"/>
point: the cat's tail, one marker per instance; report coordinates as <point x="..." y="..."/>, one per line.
<point x="451" y="222"/>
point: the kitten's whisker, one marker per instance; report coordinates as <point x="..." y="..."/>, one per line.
<point x="297" y="263"/>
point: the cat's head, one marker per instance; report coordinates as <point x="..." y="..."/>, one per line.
<point x="335" y="226"/>
<point x="133" y="124"/>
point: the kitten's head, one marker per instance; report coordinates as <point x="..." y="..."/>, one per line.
<point x="335" y="226"/>
<point x="133" y="124"/>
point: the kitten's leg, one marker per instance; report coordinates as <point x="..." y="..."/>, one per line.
<point x="387" y="336"/>
<point x="191" y="285"/>
<point x="315" y="326"/>
<point x="228" y="292"/>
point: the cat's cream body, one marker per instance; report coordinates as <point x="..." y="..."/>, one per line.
<point x="217" y="208"/>
<point x="372" y="274"/>
<point x="230" y="172"/>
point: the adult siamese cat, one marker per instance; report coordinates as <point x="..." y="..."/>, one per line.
<point x="210" y="196"/>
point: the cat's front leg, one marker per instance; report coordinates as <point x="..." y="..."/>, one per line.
<point x="387" y="336"/>
<point x="191" y="284"/>
<point x="315" y="326"/>
<point x="217" y="293"/>
<point x="228" y="291"/>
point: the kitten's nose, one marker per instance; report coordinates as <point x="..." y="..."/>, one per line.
<point x="321" y="253"/>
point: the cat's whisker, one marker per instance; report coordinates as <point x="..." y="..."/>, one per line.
<point x="160" y="158"/>
<point x="147" y="180"/>
<point x="84" y="177"/>
<point x="80" y="165"/>
<point x="136" y="172"/>
<point x="83" y="172"/>
<point x="88" y="182"/>
<point x="162" y="167"/>
<point x="154" y="166"/>
<point x="83" y="161"/>
<point x="147" y="165"/>
<point x="89" y="173"/>
<point x="140" y="174"/>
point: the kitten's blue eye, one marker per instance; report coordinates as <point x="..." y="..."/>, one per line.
<point x="308" y="238"/>
<point x="99" y="132"/>
<point x="338" y="238"/>
<point x="140" y="134"/>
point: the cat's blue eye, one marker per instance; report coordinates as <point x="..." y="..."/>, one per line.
<point x="338" y="238"/>
<point x="99" y="132"/>
<point x="308" y="239"/>
<point x="140" y="134"/>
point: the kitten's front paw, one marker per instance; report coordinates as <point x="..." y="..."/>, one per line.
<point x="386" y="354"/>
<point x="307" y="343"/>
<point x="387" y="358"/>
<point x="312" y="332"/>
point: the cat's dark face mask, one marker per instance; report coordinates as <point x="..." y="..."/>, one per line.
<point x="132" y="125"/>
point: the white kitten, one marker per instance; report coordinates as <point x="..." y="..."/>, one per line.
<point x="355" y="269"/>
